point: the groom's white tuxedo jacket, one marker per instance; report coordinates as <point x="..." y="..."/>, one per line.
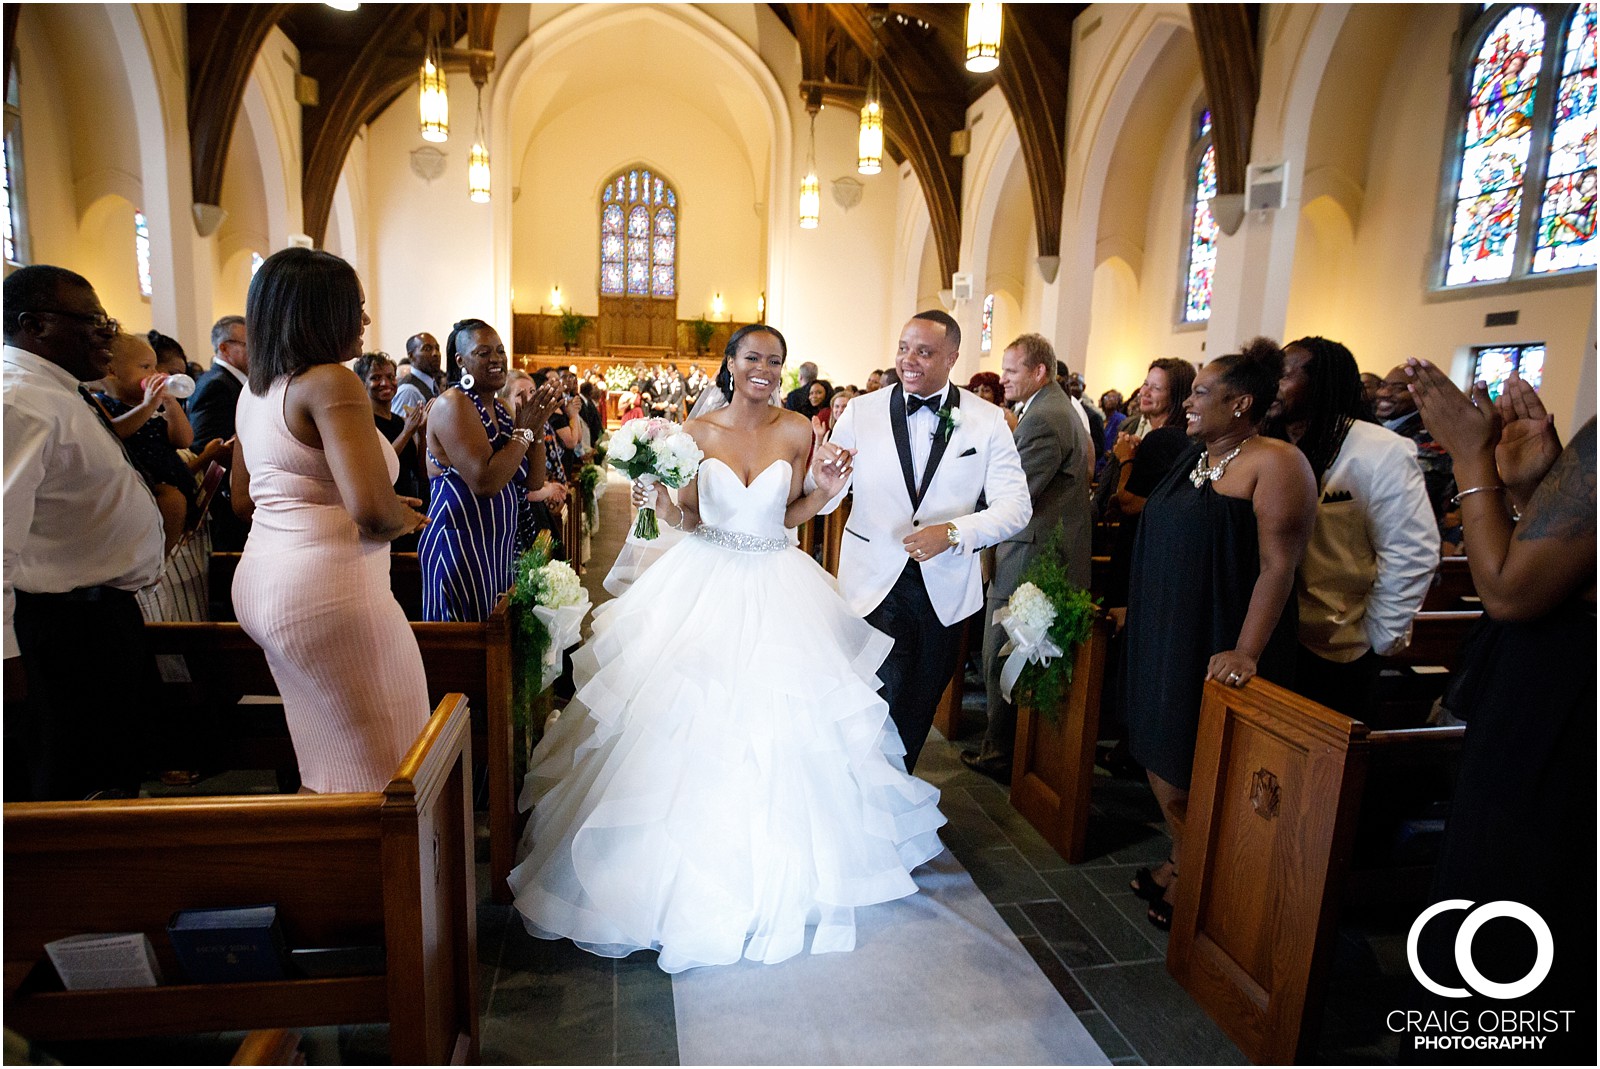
<point x="980" y="458"/>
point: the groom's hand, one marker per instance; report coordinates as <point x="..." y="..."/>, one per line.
<point x="927" y="543"/>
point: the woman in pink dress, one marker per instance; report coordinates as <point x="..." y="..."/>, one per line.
<point x="317" y="479"/>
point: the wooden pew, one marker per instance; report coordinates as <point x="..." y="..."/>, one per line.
<point x="1452" y="587"/>
<point x="405" y="580"/>
<point x="1411" y="680"/>
<point x="1052" y="766"/>
<point x="391" y="867"/>
<point x="1272" y="847"/>
<point x="223" y="664"/>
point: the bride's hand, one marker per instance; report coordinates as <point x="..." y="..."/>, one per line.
<point x="644" y="493"/>
<point x="832" y="474"/>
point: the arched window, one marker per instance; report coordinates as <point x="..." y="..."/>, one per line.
<point x="141" y="252"/>
<point x="638" y="236"/>
<point x="16" y="231"/>
<point x="1523" y="176"/>
<point x="1201" y="258"/>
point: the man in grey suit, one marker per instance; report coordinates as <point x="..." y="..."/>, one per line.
<point x="1057" y="458"/>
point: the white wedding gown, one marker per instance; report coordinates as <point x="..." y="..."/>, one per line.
<point x="726" y="775"/>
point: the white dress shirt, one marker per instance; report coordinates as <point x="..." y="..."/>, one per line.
<point x="77" y="514"/>
<point x="920" y="427"/>
<point x="244" y="380"/>
<point x="407" y="394"/>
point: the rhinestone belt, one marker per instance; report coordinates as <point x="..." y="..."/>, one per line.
<point x="738" y="540"/>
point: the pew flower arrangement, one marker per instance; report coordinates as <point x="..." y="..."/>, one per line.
<point x="1045" y="620"/>
<point x="654" y="450"/>
<point x="547" y="606"/>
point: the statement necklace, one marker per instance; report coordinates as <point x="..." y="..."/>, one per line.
<point x="1202" y="474"/>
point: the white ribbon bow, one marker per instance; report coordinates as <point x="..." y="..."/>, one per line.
<point x="565" y="626"/>
<point x="1024" y="646"/>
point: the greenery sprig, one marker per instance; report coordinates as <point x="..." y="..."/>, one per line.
<point x="1043" y="688"/>
<point x="530" y="640"/>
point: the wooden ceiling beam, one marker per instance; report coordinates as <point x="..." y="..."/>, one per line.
<point x="223" y="42"/>
<point x="1034" y="80"/>
<point x="920" y="123"/>
<point x="1226" y="36"/>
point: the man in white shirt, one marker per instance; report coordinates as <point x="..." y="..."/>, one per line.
<point x="426" y="378"/>
<point x="1374" y="548"/>
<point x="82" y="533"/>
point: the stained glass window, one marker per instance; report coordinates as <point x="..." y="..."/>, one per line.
<point x="1203" y="232"/>
<point x="141" y="252"/>
<point x="11" y="227"/>
<point x="986" y="325"/>
<point x="16" y="231"/>
<point x="638" y="236"/>
<point x="1565" y="236"/>
<point x="1493" y="365"/>
<point x="1524" y="191"/>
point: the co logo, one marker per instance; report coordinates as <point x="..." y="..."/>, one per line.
<point x="1543" y="959"/>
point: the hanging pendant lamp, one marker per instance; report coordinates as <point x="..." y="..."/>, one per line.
<point x="433" y="97"/>
<point x="810" y="188"/>
<point x="478" y="161"/>
<point x="869" y="145"/>
<point x="983" y="37"/>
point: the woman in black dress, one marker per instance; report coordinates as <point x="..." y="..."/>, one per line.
<point x="377" y="371"/>
<point x="1213" y="567"/>
<point x="1523" y="819"/>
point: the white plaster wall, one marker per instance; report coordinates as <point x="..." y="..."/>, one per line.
<point x="431" y="251"/>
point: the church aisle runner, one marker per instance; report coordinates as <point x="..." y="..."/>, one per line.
<point x="935" y="979"/>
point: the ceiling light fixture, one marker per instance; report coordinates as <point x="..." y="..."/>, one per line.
<point x="869" y="145"/>
<point x="983" y="37"/>
<point x="478" y="161"/>
<point x="433" y="97"/>
<point x="810" y="188"/>
<point x="343" y="5"/>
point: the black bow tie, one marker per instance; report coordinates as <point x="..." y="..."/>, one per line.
<point x="913" y="403"/>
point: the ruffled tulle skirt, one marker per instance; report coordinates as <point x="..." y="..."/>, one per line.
<point x="726" y="776"/>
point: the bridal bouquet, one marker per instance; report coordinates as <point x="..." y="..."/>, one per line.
<point x="1045" y="620"/>
<point x="654" y="450"/>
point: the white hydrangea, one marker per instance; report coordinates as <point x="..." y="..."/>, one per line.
<point x="677" y="458"/>
<point x="559" y="586"/>
<point x="1032" y="608"/>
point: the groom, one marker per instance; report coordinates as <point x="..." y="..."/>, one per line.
<point x="926" y="451"/>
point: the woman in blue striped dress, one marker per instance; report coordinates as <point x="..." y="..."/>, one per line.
<point x="481" y="459"/>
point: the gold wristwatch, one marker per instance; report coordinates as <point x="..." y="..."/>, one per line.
<point x="953" y="533"/>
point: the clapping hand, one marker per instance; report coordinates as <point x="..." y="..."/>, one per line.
<point x="1466" y="428"/>
<point x="535" y="412"/>
<point x="1125" y="447"/>
<point x="417" y="417"/>
<point x="414" y="504"/>
<point x="1528" y="444"/>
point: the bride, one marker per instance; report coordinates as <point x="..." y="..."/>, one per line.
<point x="726" y="775"/>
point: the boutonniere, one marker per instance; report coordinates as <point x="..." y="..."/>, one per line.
<point x="949" y="420"/>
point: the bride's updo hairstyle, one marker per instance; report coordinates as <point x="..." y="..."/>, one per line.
<point x="725" y="376"/>
<point x="1253" y="373"/>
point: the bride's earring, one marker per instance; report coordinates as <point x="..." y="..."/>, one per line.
<point x="467" y="381"/>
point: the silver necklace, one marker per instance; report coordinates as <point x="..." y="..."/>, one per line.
<point x="1202" y="474"/>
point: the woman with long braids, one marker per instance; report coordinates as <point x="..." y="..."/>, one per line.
<point x="1213" y="570"/>
<point x="1375" y="546"/>
<point x="481" y="459"/>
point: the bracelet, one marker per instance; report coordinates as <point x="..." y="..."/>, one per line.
<point x="1475" y="490"/>
<point x="525" y="436"/>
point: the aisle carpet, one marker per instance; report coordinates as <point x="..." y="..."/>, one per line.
<point x="935" y="979"/>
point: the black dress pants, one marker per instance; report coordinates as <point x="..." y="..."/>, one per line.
<point x="922" y="661"/>
<point x="90" y="680"/>
<point x="1344" y="688"/>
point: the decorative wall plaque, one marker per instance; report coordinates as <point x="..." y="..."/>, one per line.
<point x="427" y="163"/>
<point x="846" y="192"/>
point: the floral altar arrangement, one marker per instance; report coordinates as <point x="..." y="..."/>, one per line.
<point x="1045" y="620"/>
<point x="654" y="450"/>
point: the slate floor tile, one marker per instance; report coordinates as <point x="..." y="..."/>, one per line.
<point x="1105" y="1033"/>
<point x="1122" y="940"/>
<point x="1003" y="876"/>
<point x="1071" y="941"/>
<point x="1058" y="975"/>
<point x="1158" y="1018"/>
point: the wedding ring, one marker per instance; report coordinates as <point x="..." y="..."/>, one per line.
<point x="1233" y="677"/>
